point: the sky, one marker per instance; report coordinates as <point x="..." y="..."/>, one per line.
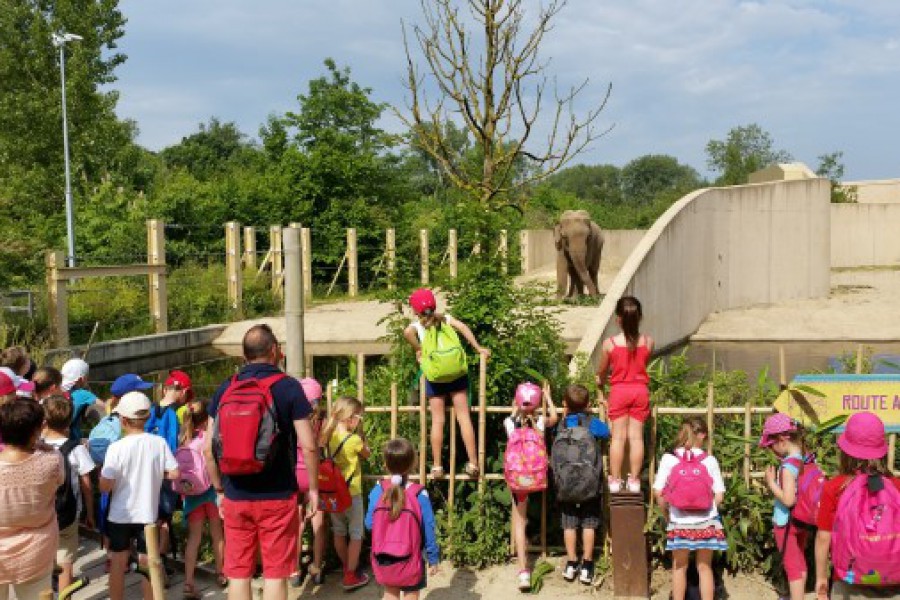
<point x="818" y="75"/>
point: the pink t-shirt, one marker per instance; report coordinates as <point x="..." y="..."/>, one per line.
<point x="29" y="534"/>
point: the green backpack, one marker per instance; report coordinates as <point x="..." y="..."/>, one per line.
<point x="443" y="357"/>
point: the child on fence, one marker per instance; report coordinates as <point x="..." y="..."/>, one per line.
<point x="578" y="478"/>
<point x="345" y="441"/>
<point x="76" y="492"/>
<point x="525" y="462"/>
<point x="442" y="358"/>
<point x="784" y="437"/>
<point x="199" y="504"/>
<point x="626" y="354"/>
<point x="400" y="511"/>
<point x="689" y="484"/>
<point x="859" y="517"/>
<point x="313" y="392"/>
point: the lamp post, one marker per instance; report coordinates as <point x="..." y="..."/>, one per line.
<point x="59" y="40"/>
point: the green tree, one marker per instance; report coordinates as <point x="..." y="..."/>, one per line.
<point x="745" y="150"/>
<point x="210" y="151"/>
<point x="601" y="183"/>
<point x="832" y="167"/>
<point x="646" y="177"/>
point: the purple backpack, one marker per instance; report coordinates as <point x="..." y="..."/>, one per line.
<point x="865" y="539"/>
<point x="810" y="483"/>
<point x="397" y="559"/>
<point x="689" y="486"/>
<point x="193" y="479"/>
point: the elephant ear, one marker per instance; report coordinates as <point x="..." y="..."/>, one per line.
<point x="557" y="236"/>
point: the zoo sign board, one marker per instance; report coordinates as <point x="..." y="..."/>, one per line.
<point x="815" y="399"/>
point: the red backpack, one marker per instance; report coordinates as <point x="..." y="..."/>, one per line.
<point x="689" y="486"/>
<point x="810" y="483"/>
<point x="334" y="490"/>
<point x="246" y="426"/>
<point x="397" y="543"/>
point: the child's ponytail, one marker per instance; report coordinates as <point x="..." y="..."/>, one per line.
<point x="628" y="309"/>
<point x="344" y="408"/>
<point x="688" y="435"/>
<point x="397" y="497"/>
<point x="399" y="458"/>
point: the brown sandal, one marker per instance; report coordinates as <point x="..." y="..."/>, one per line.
<point x="190" y="592"/>
<point x="472" y="470"/>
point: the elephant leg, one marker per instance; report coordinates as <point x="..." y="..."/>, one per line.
<point x="594" y="269"/>
<point x="576" y="287"/>
<point x="562" y="274"/>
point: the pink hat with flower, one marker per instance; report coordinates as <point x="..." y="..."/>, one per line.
<point x="775" y="425"/>
<point x="863" y="437"/>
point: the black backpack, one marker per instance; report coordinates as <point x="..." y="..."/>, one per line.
<point x="66" y="503"/>
<point x="576" y="463"/>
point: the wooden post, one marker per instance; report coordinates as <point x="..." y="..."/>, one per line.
<point x="710" y="415"/>
<point x="451" y="492"/>
<point x="58" y="298"/>
<point x="503" y="249"/>
<point x="308" y="366"/>
<point x="306" y="263"/>
<point x="46" y="595"/>
<point x="654" y="419"/>
<point x="250" y="247"/>
<point x="277" y="254"/>
<point x="329" y="394"/>
<point x="544" y="493"/>
<point x="233" y="271"/>
<point x="156" y="255"/>
<point x="782" y="369"/>
<point x="352" y="264"/>
<point x="295" y="351"/>
<point x="154" y="562"/>
<point x="361" y="377"/>
<point x="391" y="251"/>
<point x="482" y="419"/>
<point x="393" y="410"/>
<point x="452" y="247"/>
<point x="423" y="426"/>
<point x="629" y="546"/>
<point x="859" y="359"/>
<point x="748" y="431"/>
<point x="524" y="249"/>
<point x="423" y="255"/>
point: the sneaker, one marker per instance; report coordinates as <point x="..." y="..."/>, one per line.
<point x="634" y="485"/>
<point x="296" y="579"/>
<point x="615" y="485"/>
<point x="525" y="581"/>
<point x="587" y="572"/>
<point x="571" y="570"/>
<point x="353" y="581"/>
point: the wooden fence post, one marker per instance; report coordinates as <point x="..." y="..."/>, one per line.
<point x="748" y="431"/>
<point x="451" y="492"/>
<point x="276" y="249"/>
<point x="352" y="264"/>
<point x="423" y="255"/>
<point x="651" y="474"/>
<point x="156" y="255"/>
<point x="393" y="410"/>
<point x="361" y="377"/>
<point x="452" y="247"/>
<point x="306" y="264"/>
<point x="710" y="415"/>
<point x="154" y="562"/>
<point x="391" y="251"/>
<point x="503" y="249"/>
<point x="250" y="247"/>
<point x="58" y="298"/>
<point x="524" y="248"/>
<point x="482" y="420"/>
<point x="423" y="426"/>
<point x="233" y="270"/>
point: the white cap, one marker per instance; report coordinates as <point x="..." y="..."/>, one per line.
<point x="133" y="405"/>
<point x="72" y="371"/>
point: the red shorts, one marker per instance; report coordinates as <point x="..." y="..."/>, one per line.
<point x="208" y="511"/>
<point x="270" y="525"/>
<point x="629" y="400"/>
<point x="792" y="548"/>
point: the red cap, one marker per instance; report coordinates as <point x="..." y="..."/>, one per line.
<point x="422" y="301"/>
<point x="6" y="385"/>
<point x="182" y="380"/>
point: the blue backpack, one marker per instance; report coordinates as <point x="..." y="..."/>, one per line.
<point x="163" y="422"/>
<point x="107" y="431"/>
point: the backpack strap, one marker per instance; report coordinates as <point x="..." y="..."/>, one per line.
<point x="338" y="451"/>
<point x="67" y="447"/>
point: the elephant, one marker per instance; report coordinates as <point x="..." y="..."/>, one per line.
<point x="579" y="244"/>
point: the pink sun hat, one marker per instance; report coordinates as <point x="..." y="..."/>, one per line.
<point x="863" y="437"/>
<point x="312" y="389"/>
<point x="774" y="425"/>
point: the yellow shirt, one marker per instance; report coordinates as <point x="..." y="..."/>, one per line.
<point x="347" y="459"/>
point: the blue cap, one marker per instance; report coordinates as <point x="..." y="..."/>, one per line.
<point x="128" y="383"/>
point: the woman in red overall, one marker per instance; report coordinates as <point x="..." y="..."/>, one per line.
<point x="626" y="355"/>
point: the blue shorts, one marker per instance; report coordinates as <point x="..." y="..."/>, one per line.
<point x="442" y="390"/>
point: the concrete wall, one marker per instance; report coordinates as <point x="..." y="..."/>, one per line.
<point x="723" y="248"/>
<point x="865" y="235"/>
<point x="877" y="191"/>
<point x="540" y="250"/>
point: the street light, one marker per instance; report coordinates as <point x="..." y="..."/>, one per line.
<point x="59" y="40"/>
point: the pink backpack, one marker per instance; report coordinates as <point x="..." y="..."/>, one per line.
<point x="810" y="483"/>
<point x="525" y="461"/>
<point x="193" y="479"/>
<point x="865" y="539"/>
<point x="397" y="559"/>
<point x="689" y="486"/>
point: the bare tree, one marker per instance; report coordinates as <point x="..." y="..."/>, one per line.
<point x="499" y="93"/>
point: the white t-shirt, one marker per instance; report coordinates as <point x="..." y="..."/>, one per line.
<point x="510" y="425"/>
<point x="679" y="517"/>
<point x="420" y="329"/>
<point x="138" y="462"/>
<point x="80" y="463"/>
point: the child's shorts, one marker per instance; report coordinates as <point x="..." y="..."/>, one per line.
<point x="581" y="516"/>
<point x="68" y="545"/>
<point x="208" y="511"/>
<point x="350" y="522"/>
<point x="791" y="542"/>
<point x="421" y="584"/>
<point x="629" y="400"/>
<point x="121" y="536"/>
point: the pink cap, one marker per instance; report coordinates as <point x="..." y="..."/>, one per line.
<point x="6" y="385"/>
<point x="22" y="386"/>
<point x="312" y="389"/>
<point x="528" y="396"/>
<point x="422" y="301"/>
<point x="863" y="437"/>
<point x="775" y="424"/>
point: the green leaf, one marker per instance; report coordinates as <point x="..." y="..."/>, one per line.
<point x="808" y="390"/>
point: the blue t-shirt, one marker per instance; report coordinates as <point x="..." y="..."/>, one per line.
<point x="782" y="514"/>
<point x="278" y="481"/>
<point x="432" y="551"/>
<point x="81" y="400"/>
<point x="598" y="428"/>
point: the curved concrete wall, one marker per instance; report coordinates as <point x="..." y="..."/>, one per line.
<point x="723" y="248"/>
<point x="865" y="235"/>
<point x="881" y="191"/>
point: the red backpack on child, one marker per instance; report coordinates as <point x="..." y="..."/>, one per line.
<point x="334" y="490"/>
<point x="246" y="426"/>
<point x="809" y="490"/>
<point x="689" y="486"/>
<point x="397" y="543"/>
